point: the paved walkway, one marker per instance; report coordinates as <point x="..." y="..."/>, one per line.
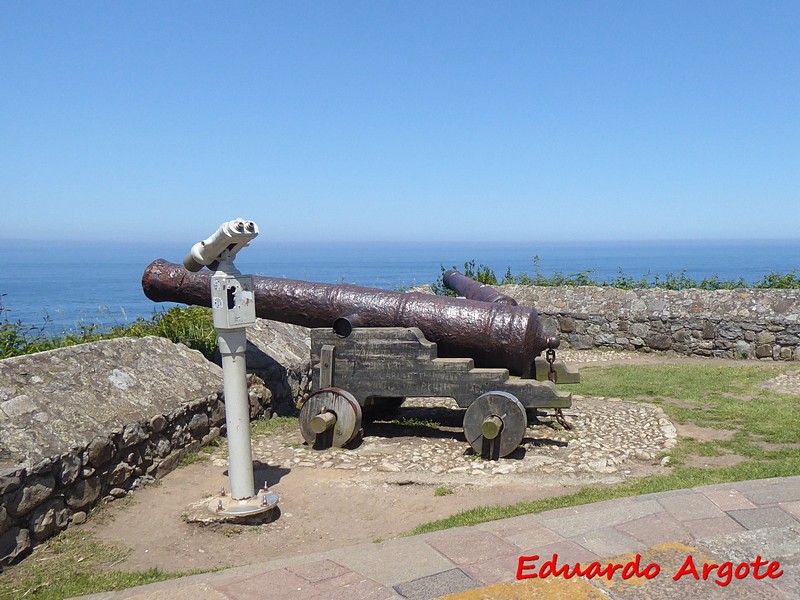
<point x="736" y="522"/>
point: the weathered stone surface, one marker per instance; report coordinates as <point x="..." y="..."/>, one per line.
<point x="5" y="520"/>
<point x="198" y="426"/>
<point x="83" y="493"/>
<point x="692" y="321"/>
<point x="70" y="468"/>
<point x="100" y="451"/>
<point x="120" y="474"/>
<point x="36" y="490"/>
<point x="132" y="434"/>
<point x="9" y="483"/>
<point x="158" y="423"/>
<point x="14" y="544"/>
<point x="764" y="351"/>
<point x="86" y="391"/>
<point x="45" y="519"/>
<point x="169" y="463"/>
<point x="659" y="342"/>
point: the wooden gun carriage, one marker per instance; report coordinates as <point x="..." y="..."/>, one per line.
<point x="375" y="366"/>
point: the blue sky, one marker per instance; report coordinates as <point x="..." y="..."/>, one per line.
<point x="395" y="121"/>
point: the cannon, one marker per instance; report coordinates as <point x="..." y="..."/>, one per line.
<point x="474" y="290"/>
<point x="373" y="347"/>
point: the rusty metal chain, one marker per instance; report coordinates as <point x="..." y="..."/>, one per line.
<point x="562" y="420"/>
<point x="550" y="355"/>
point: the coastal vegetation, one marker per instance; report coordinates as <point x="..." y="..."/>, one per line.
<point x="670" y="281"/>
<point x="191" y="325"/>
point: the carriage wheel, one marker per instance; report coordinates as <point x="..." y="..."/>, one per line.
<point x="330" y="417"/>
<point x="494" y="424"/>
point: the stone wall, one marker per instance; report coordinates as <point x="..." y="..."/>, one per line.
<point x="90" y="423"/>
<point x="745" y="323"/>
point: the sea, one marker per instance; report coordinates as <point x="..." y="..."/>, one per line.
<point x="64" y="286"/>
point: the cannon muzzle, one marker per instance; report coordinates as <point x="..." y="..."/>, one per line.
<point x="493" y="334"/>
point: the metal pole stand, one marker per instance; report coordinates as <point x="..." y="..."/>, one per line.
<point x="234" y="309"/>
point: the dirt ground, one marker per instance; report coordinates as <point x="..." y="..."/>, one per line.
<point x="319" y="509"/>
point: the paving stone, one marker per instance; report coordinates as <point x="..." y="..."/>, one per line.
<point x="434" y="586"/>
<point x="530" y="536"/>
<point x="353" y="586"/>
<point x="771" y="491"/>
<point x="713" y="527"/>
<point x="468" y="545"/>
<point x="758" y="518"/>
<point x="276" y="585"/>
<point x="494" y="570"/>
<point x="793" y="508"/>
<point x="772" y="543"/>
<point x="394" y="561"/>
<point x="199" y="591"/>
<point x="318" y="570"/>
<point x="582" y="519"/>
<point x="608" y="541"/>
<point x="567" y="552"/>
<point x="789" y="582"/>
<point x="728" y="499"/>
<point x="655" y="529"/>
<point x="694" y="506"/>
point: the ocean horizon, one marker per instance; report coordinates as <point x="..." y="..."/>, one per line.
<point x="67" y="285"/>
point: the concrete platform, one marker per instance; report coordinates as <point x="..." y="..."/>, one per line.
<point x="729" y="522"/>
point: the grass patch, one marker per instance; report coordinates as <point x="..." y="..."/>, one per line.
<point x="715" y="396"/>
<point x="272" y="426"/>
<point x="73" y="564"/>
<point x="678" y="479"/>
<point x="412" y="422"/>
<point x="443" y="490"/>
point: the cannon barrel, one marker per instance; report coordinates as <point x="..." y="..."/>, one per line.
<point x="474" y="290"/>
<point x="494" y="335"/>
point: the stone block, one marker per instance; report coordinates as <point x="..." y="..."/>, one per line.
<point x="566" y="324"/>
<point x="5" y="520"/>
<point x="100" y="451"/>
<point x="47" y="519"/>
<point x="9" y="483"/>
<point x="765" y="337"/>
<point x="580" y="342"/>
<point x="35" y="491"/>
<point x="764" y="351"/>
<point x="199" y="426"/>
<point x="660" y="341"/>
<point x="83" y="493"/>
<point x="69" y="468"/>
<point x="158" y="424"/>
<point x="132" y="434"/>
<point x="14" y="544"/>
<point x="742" y="349"/>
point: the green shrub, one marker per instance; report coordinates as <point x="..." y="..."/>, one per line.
<point x="670" y="281"/>
<point x="192" y="326"/>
